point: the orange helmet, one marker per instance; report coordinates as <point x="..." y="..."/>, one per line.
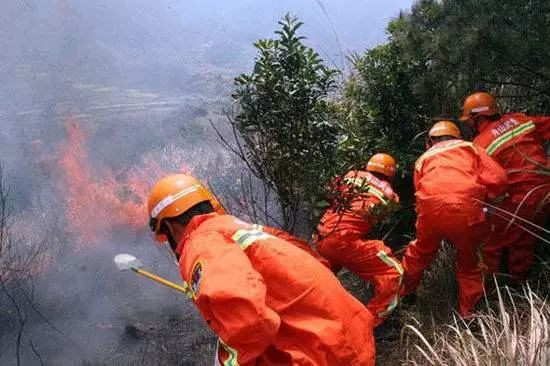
<point x="478" y="104"/>
<point x="445" y="128"/>
<point x="173" y="195"/>
<point x="383" y="164"/>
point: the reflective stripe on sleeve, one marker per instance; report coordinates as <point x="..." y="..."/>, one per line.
<point x="518" y="131"/>
<point x="378" y="194"/>
<point x="246" y="238"/>
<point x="367" y="188"/>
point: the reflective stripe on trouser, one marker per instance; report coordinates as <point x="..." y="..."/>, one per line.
<point x="390" y="261"/>
<point x="373" y="262"/>
<point x="228" y="355"/>
<point x="217" y="356"/>
<point x="452" y="223"/>
<point x="502" y="140"/>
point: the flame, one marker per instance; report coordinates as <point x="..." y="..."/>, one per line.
<point x="96" y="202"/>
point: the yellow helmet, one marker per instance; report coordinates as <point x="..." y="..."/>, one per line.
<point x="172" y="196"/>
<point x="445" y="128"/>
<point x="383" y="164"/>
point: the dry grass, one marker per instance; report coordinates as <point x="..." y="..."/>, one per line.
<point x="437" y="298"/>
<point x="510" y="328"/>
<point x="513" y="332"/>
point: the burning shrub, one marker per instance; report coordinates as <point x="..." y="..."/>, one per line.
<point x="98" y="200"/>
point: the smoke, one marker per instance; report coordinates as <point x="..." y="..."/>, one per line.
<point x="100" y="98"/>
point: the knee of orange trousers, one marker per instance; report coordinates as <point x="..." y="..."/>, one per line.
<point x="359" y="256"/>
<point x="470" y="291"/>
<point x="502" y="236"/>
<point x="415" y="262"/>
<point x="328" y="249"/>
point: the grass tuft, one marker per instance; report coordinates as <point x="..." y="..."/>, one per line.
<point x="513" y="330"/>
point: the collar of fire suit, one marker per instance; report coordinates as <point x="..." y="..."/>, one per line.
<point x="484" y="125"/>
<point x="445" y="144"/>
<point x="192" y="226"/>
<point x="440" y="147"/>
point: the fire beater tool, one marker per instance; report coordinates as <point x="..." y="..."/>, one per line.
<point x="127" y="262"/>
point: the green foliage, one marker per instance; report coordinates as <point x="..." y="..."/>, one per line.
<point x="289" y="129"/>
<point x="435" y="56"/>
<point x="298" y="131"/>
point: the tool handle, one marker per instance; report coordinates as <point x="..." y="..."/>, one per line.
<point x="158" y="279"/>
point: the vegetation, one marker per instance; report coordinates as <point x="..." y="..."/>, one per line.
<point x="293" y="137"/>
<point x="436" y="55"/>
<point x="20" y="261"/>
<point x="516" y="332"/>
<point x="287" y="127"/>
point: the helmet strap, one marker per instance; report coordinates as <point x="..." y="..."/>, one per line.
<point x="166" y="231"/>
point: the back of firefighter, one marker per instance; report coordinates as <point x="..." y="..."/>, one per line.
<point x="270" y="302"/>
<point x="342" y="233"/>
<point x="298" y="242"/>
<point x="451" y="178"/>
<point x="516" y="142"/>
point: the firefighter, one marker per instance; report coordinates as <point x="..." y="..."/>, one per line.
<point x="516" y="142"/>
<point x="269" y="302"/>
<point x="452" y="179"/>
<point x="342" y="232"/>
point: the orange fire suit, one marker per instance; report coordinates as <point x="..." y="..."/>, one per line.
<point x="269" y="302"/>
<point x="515" y="141"/>
<point x="300" y="243"/>
<point x="447" y="178"/>
<point x="342" y="240"/>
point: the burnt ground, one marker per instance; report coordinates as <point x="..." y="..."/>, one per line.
<point x="171" y="340"/>
<point x="182" y="338"/>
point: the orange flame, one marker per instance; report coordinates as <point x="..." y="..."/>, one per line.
<point x="96" y="202"/>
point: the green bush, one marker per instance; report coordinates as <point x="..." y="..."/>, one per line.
<point x="286" y="127"/>
<point x="435" y="56"/>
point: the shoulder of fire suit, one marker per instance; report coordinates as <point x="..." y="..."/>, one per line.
<point x="363" y="178"/>
<point x="491" y="175"/>
<point x="543" y="126"/>
<point x="296" y="241"/>
<point x="441" y="148"/>
<point x="229" y="293"/>
<point x="490" y="131"/>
